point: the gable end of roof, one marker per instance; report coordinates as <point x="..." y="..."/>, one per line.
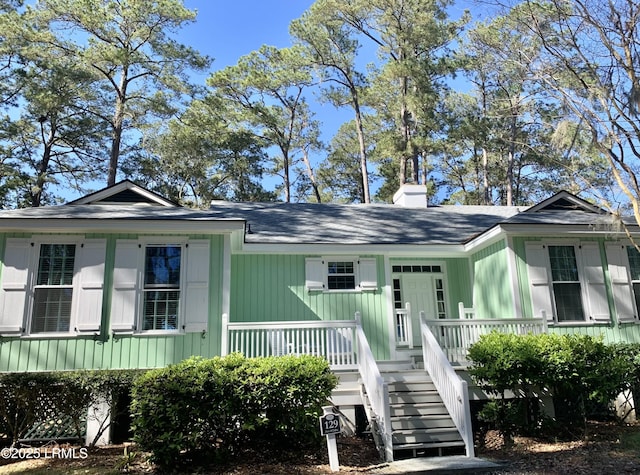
<point x="125" y="192"/>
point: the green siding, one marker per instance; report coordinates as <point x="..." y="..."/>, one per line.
<point x="610" y="333"/>
<point x="125" y="351"/>
<point x="272" y="288"/>
<point x="492" y="292"/>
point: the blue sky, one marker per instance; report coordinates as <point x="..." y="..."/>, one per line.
<point x="228" y="29"/>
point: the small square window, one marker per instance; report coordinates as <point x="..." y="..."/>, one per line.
<point x="341" y="275"/>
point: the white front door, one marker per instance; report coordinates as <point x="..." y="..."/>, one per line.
<point x="418" y="290"/>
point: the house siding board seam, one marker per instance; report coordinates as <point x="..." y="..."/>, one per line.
<point x="492" y="290"/>
<point x="19" y="355"/>
<point x="278" y="282"/>
<point x="611" y="333"/>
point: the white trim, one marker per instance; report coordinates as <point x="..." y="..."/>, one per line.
<point x="485" y="239"/>
<point x="128" y="226"/>
<point x="585" y="288"/>
<point x="513" y="274"/>
<point x="143" y="243"/>
<point x="119" y="188"/>
<point x="226" y="275"/>
<point x="365" y="271"/>
<point x="440" y="251"/>
<point x="388" y="293"/>
<point x="565" y="195"/>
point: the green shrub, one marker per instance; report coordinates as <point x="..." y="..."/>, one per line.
<point x="204" y="409"/>
<point x="628" y="355"/>
<point x="575" y="369"/>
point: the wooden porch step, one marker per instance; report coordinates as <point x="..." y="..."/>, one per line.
<point x="399" y="365"/>
<point x="431" y="436"/>
<point x="346" y="396"/>
<point x="412" y="375"/>
<point x="437" y="421"/>
<point x="427" y="409"/>
<point x="414" y="397"/>
<point x="410" y="386"/>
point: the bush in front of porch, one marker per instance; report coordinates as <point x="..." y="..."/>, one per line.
<point x="577" y="370"/>
<point x="202" y="410"/>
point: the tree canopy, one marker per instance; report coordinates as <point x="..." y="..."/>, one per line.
<point x="537" y="97"/>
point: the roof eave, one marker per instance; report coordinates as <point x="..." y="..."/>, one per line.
<point x="154" y="226"/>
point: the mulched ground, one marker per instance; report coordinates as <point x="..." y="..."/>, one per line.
<point x="609" y="449"/>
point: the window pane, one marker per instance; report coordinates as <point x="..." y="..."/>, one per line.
<point x="634" y="262"/>
<point x="162" y="267"/>
<point x="51" y="310"/>
<point x="568" y="301"/>
<point x="341" y="282"/>
<point x="55" y="266"/>
<point x="53" y="293"/>
<point x="341" y="275"/>
<point x="341" y="267"/>
<point x="564" y="267"/>
<point x="636" y="293"/>
<point x="160" y="310"/>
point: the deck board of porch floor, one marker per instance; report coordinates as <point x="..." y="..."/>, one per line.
<point x="431" y="465"/>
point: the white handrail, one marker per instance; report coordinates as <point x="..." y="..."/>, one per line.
<point x="456" y="336"/>
<point x="452" y="389"/>
<point x="376" y="388"/>
<point x="404" y="330"/>
<point x="333" y="340"/>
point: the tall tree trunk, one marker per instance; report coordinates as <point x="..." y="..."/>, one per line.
<point x="363" y="150"/>
<point x="511" y="160"/>
<point x="485" y="177"/>
<point x="312" y="178"/>
<point x="406" y="131"/>
<point x="118" y="125"/>
<point x="41" y="178"/>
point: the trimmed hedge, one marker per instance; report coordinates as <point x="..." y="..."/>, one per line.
<point x="204" y="409"/>
<point x="577" y="370"/>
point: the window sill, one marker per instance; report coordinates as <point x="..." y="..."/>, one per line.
<point x="57" y="336"/>
<point x="158" y="333"/>
<point x="583" y="323"/>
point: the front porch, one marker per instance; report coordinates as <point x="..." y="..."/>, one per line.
<point x="401" y="399"/>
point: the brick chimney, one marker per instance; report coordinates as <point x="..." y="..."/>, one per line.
<point x="411" y="196"/>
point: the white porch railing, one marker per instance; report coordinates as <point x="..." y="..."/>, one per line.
<point x="455" y="337"/>
<point x="404" y="330"/>
<point x="452" y="389"/>
<point x="333" y="340"/>
<point x="376" y="389"/>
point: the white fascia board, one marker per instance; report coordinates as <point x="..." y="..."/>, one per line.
<point x="104" y="194"/>
<point x="393" y="250"/>
<point x="562" y="230"/>
<point x="48" y="225"/>
<point x="501" y="231"/>
<point x="493" y="235"/>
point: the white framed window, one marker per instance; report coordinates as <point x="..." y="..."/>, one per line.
<point x="53" y="289"/>
<point x="567" y="281"/>
<point x="623" y="260"/>
<point x="52" y="285"/>
<point x="160" y="285"/>
<point x="340" y="274"/>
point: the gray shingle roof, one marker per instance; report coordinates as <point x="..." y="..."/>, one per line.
<point x="307" y="223"/>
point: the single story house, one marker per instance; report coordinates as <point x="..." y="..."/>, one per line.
<point x="123" y="278"/>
